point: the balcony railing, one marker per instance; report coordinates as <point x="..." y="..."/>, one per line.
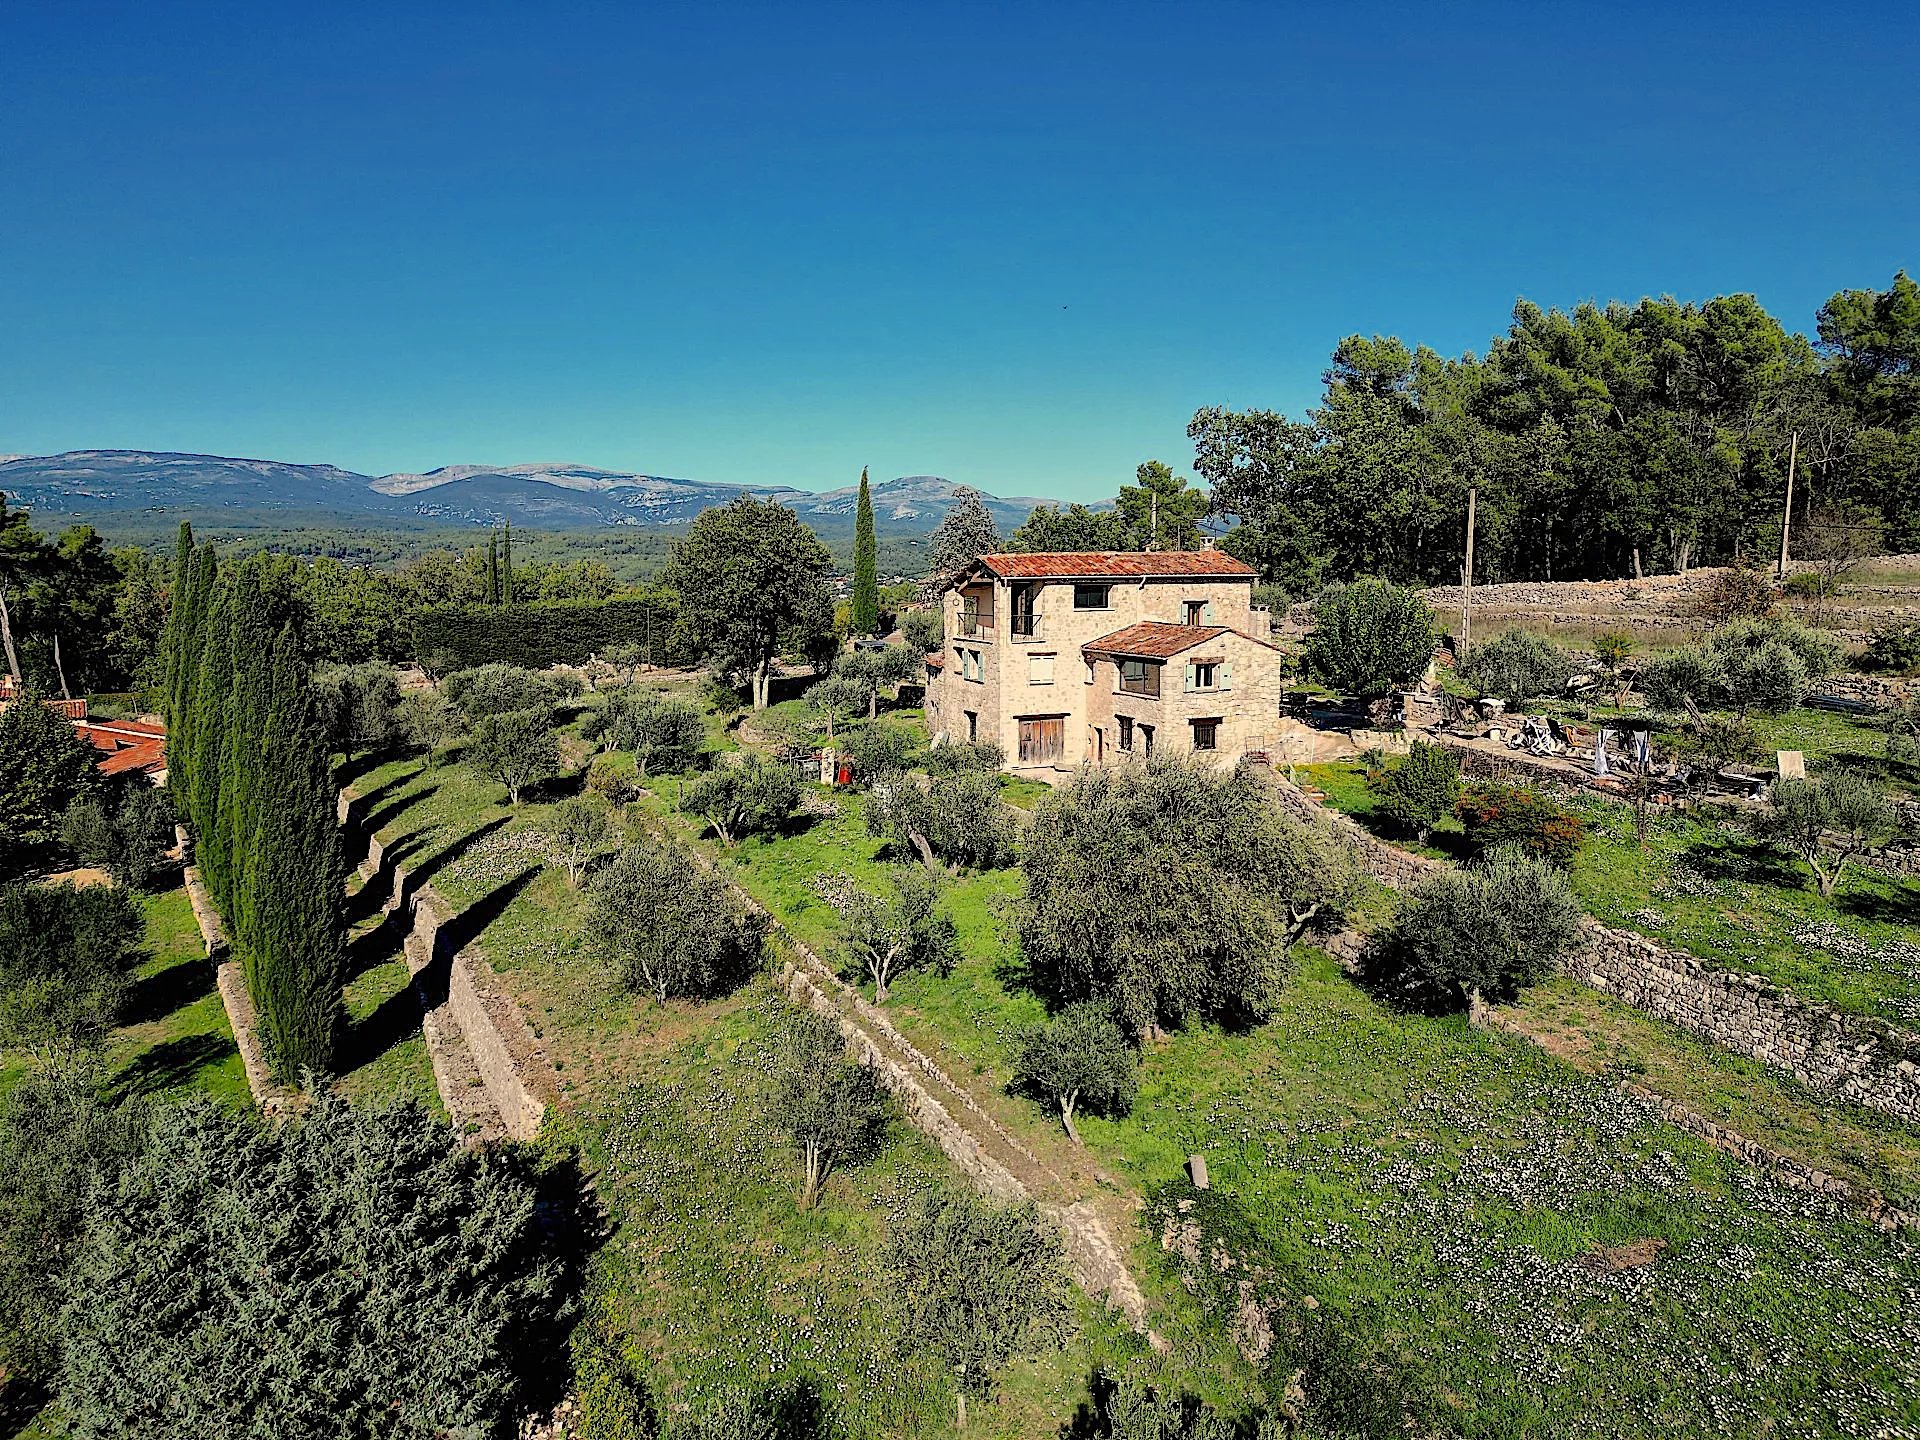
<point x="1027" y="627"/>
<point x="976" y="627"/>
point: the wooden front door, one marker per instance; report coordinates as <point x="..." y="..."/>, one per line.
<point x="1040" y="740"/>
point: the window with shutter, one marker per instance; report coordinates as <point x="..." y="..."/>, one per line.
<point x="1040" y="669"/>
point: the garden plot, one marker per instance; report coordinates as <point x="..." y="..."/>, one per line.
<point x="1520" y="1241"/>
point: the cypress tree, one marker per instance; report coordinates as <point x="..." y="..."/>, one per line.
<point x="506" y="567"/>
<point x="866" y="565"/>
<point x="493" y="567"/>
<point x="207" y="777"/>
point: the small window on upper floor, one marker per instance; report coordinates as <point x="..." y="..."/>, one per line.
<point x="1196" y="612"/>
<point x="1040" y="669"/>
<point x="1091" y="597"/>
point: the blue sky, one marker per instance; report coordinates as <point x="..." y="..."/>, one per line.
<point x="1012" y="245"/>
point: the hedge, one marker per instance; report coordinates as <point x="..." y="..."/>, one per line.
<point x="559" y="632"/>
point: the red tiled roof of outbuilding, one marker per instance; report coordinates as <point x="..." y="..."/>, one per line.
<point x="1118" y="565"/>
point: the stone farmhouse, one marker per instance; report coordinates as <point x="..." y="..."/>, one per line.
<point x="1105" y="657"/>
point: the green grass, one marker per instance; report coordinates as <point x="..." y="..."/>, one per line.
<point x="1443" y="1192"/>
<point x="173" y="1037"/>
<point x="1605" y="1036"/>
<point x="724" y="1285"/>
<point x="1705" y="886"/>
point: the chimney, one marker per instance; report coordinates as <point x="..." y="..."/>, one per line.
<point x="1206" y="542"/>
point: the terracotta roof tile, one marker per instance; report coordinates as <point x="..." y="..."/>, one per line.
<point x="147" y="755"/>
<point x="1154" y="639"/>
<point x="1117" y="564"/>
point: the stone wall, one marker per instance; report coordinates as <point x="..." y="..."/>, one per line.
<point x="1851" y="1056"/>
<point x="1857" y="1058"/>
<point x="231" y="982"/>
<point x="491" y="1071"/>
<point x="993" y="1159"/>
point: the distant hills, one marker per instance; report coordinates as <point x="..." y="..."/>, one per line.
<point x="109" y="488"/>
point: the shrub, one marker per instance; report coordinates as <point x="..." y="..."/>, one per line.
<point x="515" y="748"/>
<point x="1495" y="928"/>
<point x="755" y="797"/>
<point x="1735" y="593"/>
<point x="1497" y="814"/>
<point x="497" y="689"/>
<point x="1370" y="636"/>
<point x="963" y="755"/>
<point x="672" y="927"/>
<point x="129" y="842"/>
<point x="875" y="750"/>
<point x="1827" y="821"/>
<point x="834" y="1109"/>
<point x="1713" y="742"/>
<point x="1080" y="1059"/>
<point x="1896" y="649"/>
<point x="44" y="767"/>
<point x="609" y="778"/>
<point x="1420" y="791"/>
<point x="58" y="1138"/>
<point x="1517" y="667"/>
<point x="978" y="1283"/>
<point x="409" y="1285"/>
<point x="66" y="955"/>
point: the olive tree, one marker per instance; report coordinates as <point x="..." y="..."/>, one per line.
<point x="1172" y="891"/>
<point x="578" y="829"/>
<point x="959" y="817"/>
<point x="1828" y="821"/>
<point x="1492" y="929"/>
<point x="128" y="840"/>
<point x="359" y="706"/>
<point x="672" y="926"/>
<point x="496" y="689"/>
<point x="1517" y="667"/>
<point x="979" y="1284"/>
<point x="833" y="1108"/>
<point x="756" y="797"/>
<point x="890" y="931"/>
<point x="1078" y="1059"/>
<point x="515" y="748"/>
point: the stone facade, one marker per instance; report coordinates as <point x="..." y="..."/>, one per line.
<point x="1021" y="645"/>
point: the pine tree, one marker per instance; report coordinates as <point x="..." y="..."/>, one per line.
<point x="866" y="565"/>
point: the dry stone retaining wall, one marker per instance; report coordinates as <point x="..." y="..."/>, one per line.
<point x="997" y="1163"/>
<point x="492" y="1073"/>
<point x="1851" y="1056"/>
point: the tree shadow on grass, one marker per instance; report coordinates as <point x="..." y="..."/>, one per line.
<point x="394" y="1020"/>
<point x="1743" y="861"/>
<point x="380" y="943"/>
<point x="374" y="819"/>
<point x="165" y="991"/>
<point x="172" y="1064"/>
<point x="464" y="928"/>
<point x="1902" y="907"/>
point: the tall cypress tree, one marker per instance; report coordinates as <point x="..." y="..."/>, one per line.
<point x="866" y="565"/>
<point x="493" y="567"/>
<point x="208" y="777"/>
<point x="506" y="567"/>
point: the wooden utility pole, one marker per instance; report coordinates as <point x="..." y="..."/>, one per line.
<point x="1466" y="578"/>
<point x="1786" y="514"/>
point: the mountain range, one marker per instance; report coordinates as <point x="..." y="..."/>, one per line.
<point x="104" y="486"/>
